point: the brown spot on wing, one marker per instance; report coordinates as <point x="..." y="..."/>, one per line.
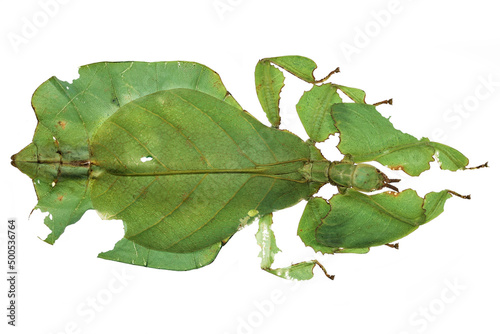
<point x="62" y="124"/>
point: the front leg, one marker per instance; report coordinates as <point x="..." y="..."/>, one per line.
<point x="269" y="80"/>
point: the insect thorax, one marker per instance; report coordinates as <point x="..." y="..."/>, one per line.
<point x="362" y="177"/>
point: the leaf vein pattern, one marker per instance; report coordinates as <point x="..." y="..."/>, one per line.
<point x="179" y="130"/>
<point x="156" y="77"/>
<point x="111" y="82"/>
<point x="202" y="70"/>
<point x="267" y="193"/>
<point x="107" y="189"/>
<point x="70" y="101"/>
<point x="223" y="130"/>
<point x="139" y="142"/>
<point x="262" y="138"/>
<point x="134" y="200"/>
<point x="172" y="211"/>
<point x="375" y="205"/>
<point x="213" y="217"/>
<point x="112" y="153"/>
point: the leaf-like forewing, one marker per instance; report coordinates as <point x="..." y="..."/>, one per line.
<point x="183" y="170"/>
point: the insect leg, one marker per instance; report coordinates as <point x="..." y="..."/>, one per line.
<point x="267" y="241"/>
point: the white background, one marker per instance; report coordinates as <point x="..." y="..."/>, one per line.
<point x="432" y="57"/>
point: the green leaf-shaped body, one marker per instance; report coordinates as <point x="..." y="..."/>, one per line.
<point x="165" y="148"/>
<point x="183" y="169"/>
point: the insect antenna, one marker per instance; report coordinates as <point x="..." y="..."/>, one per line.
<point x="388" y="181"/>
<point x="390" y="186"/>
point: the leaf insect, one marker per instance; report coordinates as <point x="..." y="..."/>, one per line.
<point x="164" y="147"/>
